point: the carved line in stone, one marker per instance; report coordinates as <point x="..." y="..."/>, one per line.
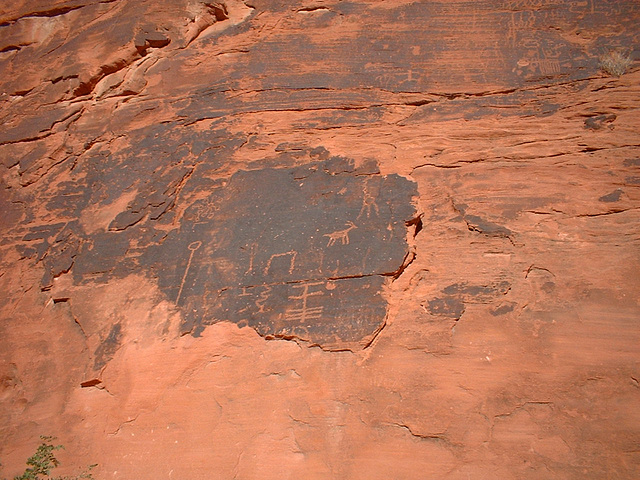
<point x="292" y="262"/>
<point x="245" y="293"/>
<point x="193" y="246"/>
<point x="264" y="296"/>
<point x="252" y="256"/>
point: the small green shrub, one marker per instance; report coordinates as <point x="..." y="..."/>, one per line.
<point x="615" y="63"/>
<point x="43" y="461"/>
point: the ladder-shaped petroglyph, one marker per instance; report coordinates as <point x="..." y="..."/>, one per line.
<point x="548" y="62"/>
<point x="304" y="312"/>
<point x="292" y="260"/>
<point x="193" y="246"/>
<point x="342" y="235"/>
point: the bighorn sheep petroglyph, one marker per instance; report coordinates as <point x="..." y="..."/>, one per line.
<point x="342" y="235"/>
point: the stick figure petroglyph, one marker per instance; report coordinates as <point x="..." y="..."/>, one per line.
<point x="205" y="210"/>
<point x="368" y="203"/>
<point x="305" y="312"/>
<point x="342" y="235"/>
<point x="193" y="246"/>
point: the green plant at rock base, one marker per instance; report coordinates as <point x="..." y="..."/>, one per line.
<point x="615" y="63"/>
<point x="43" y="461"/>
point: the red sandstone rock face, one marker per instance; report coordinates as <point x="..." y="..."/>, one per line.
<point x="448" y="287"/>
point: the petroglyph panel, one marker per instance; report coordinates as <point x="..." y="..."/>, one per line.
<point x="292" y="252"/>
<point x="234" y="246"/>
<point x="332" y="313"/>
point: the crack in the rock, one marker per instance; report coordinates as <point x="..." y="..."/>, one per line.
<point x="44" y="133"/>
<point x="15" y="48"/>
<point x="534" y="267"/>
<point x="592" y="149"/>
<point x="486" y="93"/>
<point x="33" y="179"/>
<point x="523" y="405"/>
<point x="376" y="333"/>
<point x="312" y="9"/>
<point x="555" y="211"/>
<point x="77" y="322"/>
<point x="537" y="212"/>
<point x="436" y="165"/>
<point x="50" y="13"/>
<point x="309" y="280"/>
<point x="610" y="212"/>
<point x="131" y="420"/>
<point x="53" y="12"/>
<point x="304" y="341"/>
<point x="504" y="159"/>
<point x="413" y="103"/>
<point x="423" y="436"/>
<point x="88" y="87"/>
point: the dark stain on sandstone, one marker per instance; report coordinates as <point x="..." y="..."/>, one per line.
<point x="108" y="347"/>
<point x="611" y="197"/>
<point x="445" y="306"/>
<point x="478" y="293"/>
<point x="598" y="122"/>
<point x="503" y="309"/>
<point x="293" y="252"/>
<point x="299" y="245"/>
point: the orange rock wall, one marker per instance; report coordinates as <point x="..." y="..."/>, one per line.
<point x="510" y="348"/>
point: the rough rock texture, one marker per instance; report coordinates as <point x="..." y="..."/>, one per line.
<point x="321" y="239"/>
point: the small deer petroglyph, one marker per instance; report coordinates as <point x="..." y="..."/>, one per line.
<point x="342" y="235"/>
